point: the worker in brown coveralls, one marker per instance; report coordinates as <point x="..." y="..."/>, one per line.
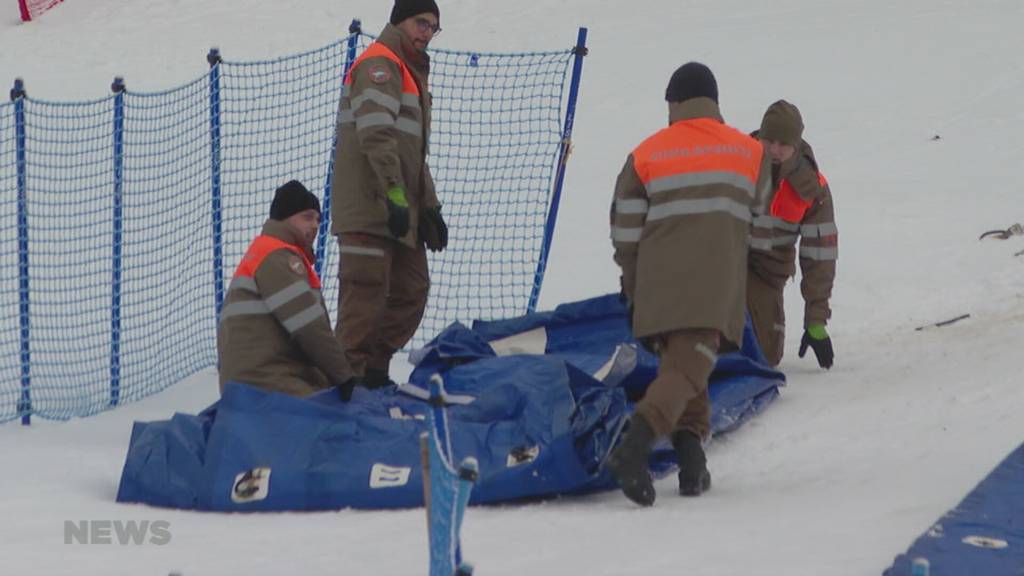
<point x="680" y="222"/>
<point x="801" y="207"/>
<point x="274" y="332"/>
<point x="385" y="208"/>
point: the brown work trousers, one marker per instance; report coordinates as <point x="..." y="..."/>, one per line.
<point x="677" y="399"/>
<point x="382" y="292"/>
<point x="768" y="315"/>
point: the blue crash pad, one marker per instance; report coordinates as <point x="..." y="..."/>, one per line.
<point x="984" y="534"/>
<point x="538" y="400"/>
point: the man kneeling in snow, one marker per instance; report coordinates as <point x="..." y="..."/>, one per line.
<point x="274" y="332"/>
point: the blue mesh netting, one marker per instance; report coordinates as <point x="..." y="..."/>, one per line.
<point x="132" y="201"/>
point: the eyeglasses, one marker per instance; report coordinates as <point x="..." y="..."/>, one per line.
<point x="425" y="25"/>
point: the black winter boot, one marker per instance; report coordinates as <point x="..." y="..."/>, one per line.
<point x="694" y="478"/>
<point x="628" y="462"/>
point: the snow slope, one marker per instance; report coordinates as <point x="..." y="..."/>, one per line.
<point x="841" y="474"/>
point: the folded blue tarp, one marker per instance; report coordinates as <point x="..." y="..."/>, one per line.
<point x="984" y="534"/>
<point x="539" y="401"/>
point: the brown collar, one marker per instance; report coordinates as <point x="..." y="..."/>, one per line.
<point x="283" y="232"/>
<point x="692" y="109"/>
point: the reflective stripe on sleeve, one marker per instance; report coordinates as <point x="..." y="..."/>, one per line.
<point x="286" y="295"/>
<point x="244" y="283"/>
<point x="819" y="230"/>
<point x="411" y="101"/>
<point x="760" y="243"/>
<point x="620" y="234"/>
<point x="631" y="206"/>
<point x="410" y="126"/>
<point x="303" y="319"/>
<point x="377" y="97"/>
<point x="245" y="308"/>
<point x="816" y="253"/>
<point x="373" y="120"/>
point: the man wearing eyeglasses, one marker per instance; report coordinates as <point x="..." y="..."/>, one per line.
<point x="385" y="210"/>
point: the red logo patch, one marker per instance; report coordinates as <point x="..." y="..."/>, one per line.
<point x="379" y="74"/>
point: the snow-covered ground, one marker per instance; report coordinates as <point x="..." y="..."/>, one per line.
<point x="841" y="474"/>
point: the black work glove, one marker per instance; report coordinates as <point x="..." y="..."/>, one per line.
<point x="398" y="212"/>
<point x="345" y="388"/>
<point x="818" y="340"/>
<point x="433" y="229"/>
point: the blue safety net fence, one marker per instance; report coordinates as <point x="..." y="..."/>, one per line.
<point x="124" y="218"/>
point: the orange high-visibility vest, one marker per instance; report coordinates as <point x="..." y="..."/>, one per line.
<point x="697" y="145"/>
<point x="261" y="247"/>
<point x="788" y="205"/>
<point x="378" y="50"/>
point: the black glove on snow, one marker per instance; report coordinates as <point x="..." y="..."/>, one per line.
<point x="822" y="346"/>
<point x="433" y="229"/>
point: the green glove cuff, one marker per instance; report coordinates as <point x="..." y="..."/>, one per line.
<point x="397" y="196"/>
<point x="817" y="331"/>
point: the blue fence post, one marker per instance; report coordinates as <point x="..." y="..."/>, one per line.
<point x="118" y="88"/>
<point x="25" y="402"/>
<point x="214" y="59"/>
<point x="563" y="157"/>
<point x="354" y="30"/>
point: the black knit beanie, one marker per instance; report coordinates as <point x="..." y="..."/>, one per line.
<point x="290" y="199"/>
<point x="782" y="122"/>
<point x="691" y="80"/>
<point x="407" y="8"/>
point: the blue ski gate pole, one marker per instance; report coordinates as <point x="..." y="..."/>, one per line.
<point x="446" y="491"/>
<point x="115" y="291"/>
<point x="214" y="59"/>
<point x="563" y="157"/>
<point x="25" y="402"/>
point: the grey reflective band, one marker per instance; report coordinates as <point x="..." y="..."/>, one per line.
<point x="819" y="230"/>
<point x="244" y="283"/>
<point x="761" y="243"/>
<point x="244" y="308"/>
<point x="631" y="206"/>
<point x="374" y="119"/>
<point x="411" y="101"/>
<point x="346" y="116"/>
<point x="815" y="253"/>
<point x="286" y="295"/>
<point x="362" y="250"/>
<point x="303" y="319"/>
<point x="677" y="181"/>
<point x="779" y="327"/>
<point x="700" y="206"/>
<point x="773" y="222"/>
<point x="410" y="127"/>
<point x="703" y="349"/>
<point x="377" y="97"/>
<point x="787" y="226"/>
<point x="787" y="240"/>
<point x="626" y="234"/>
